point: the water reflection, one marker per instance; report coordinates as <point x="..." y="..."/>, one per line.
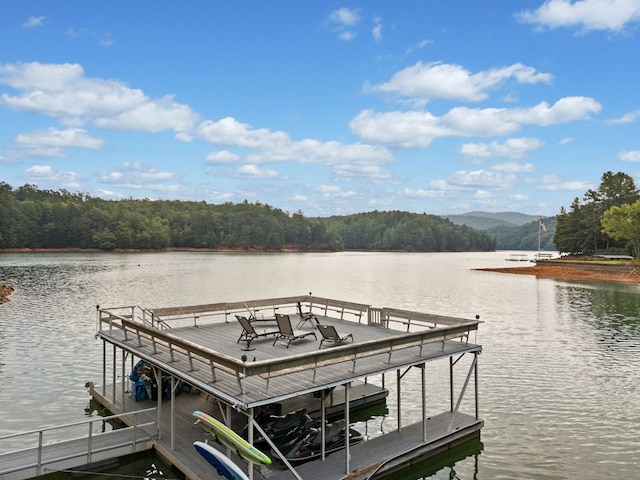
<point x="458" y="463"/>
<point x="140" y="466"/>
<point x="612" y="313"/>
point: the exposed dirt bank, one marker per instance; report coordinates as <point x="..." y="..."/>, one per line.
<point x="562" y="272"/>
<point x="5" y="291"/>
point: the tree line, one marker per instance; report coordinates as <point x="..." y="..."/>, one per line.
<point x="604" y="220"/>
<point x="529" y="236"/>
<point x="58" y="219"/>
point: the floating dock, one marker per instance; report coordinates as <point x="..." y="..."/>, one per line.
<point x="202" y="348"/>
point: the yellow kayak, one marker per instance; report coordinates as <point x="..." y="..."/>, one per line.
<point x="227" y="436"/>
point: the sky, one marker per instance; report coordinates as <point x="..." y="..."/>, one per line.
<point x="324" y="108"/>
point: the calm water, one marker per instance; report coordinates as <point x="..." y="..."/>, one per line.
<point x="558" y="375"/>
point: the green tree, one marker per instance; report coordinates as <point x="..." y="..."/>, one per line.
<point x="580" y="229"/>
<point x="623" y="223"/>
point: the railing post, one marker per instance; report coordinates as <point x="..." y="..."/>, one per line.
<point x="40" y="434"/>
<point x="90" y="443"/>
<point x="134" y="445"/>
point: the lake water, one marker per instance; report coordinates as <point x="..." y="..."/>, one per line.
<point x="559" y="372"/>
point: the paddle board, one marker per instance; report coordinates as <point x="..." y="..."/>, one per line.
<point x="223" y="464"/>
<point x="227" y="436"/>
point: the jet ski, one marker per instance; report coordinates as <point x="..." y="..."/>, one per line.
<point x="283" y="430"/>
<point x="309" y="446"/>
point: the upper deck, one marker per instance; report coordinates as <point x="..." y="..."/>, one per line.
<point x="200" y="345"/>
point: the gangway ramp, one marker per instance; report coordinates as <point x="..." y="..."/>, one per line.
<point x="41" y="453"/>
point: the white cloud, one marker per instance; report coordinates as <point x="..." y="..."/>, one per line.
<point x="347" y="17"/>
<point x="438" y="80"/>
<point x="513" y="167"/>
<point x="343" y="19"/>
<point x="483" y="195"/>
<point x="50" y="142"/>
<point x="418" y="46"/>
<point x="33" y="22"/>
<point x="222" y="156"/>
<point x="150" y="116"/>
<point x="626" y="118"/>
<point x="330" y="191"/>
<point x="277" y="146"/>
<point x="347" y="35"/>
<point x="566" y="141"/>
<point x="62" y="91"/>
<point x="142" y="175"/>
<point x="612" y="15"/>
<point x="518" y="197"/>
<point x="630" y="156"/>
<point x="68" y="138"/>
<point x="46" y="175"/>
<point x="423" y="193"/>
<point x="365" y="172"/>
<point x="482" y="178"/>
<point x="377" y="29"/>
<point x="418" y="129"/>
<point x="513" y="148"/>
<point x="105" y="40"/>
<point x="253" y="171"/>
<point x="228" y="131"/>
<point x="553" y="183"/>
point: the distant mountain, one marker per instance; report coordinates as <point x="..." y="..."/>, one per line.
<point x="486" y="220"/>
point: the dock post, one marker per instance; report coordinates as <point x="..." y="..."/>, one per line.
<point x="451" y="383"/>
<point x="475" y="381"/>
<point x="124" y="377"/>
<point x="104" y="369"/>
<point x="159" y="400"/>
<point x="398" y="397"/>
<point x="173" y="409"/>
<point x="323" y="419"/>
<point x="347" y="454"/>
<point x="424" y="402"/>
<point x="113" y="374"/>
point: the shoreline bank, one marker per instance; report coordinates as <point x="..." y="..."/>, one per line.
<point x="567" y="272"/>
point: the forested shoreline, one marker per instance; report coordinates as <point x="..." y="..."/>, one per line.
<point x="33" y="219"/>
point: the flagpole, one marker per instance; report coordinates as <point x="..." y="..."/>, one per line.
<point x="539" y="234"/>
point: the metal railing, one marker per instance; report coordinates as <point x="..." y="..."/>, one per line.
<point x="76" y="440"/>
<point x="419" y="330"/>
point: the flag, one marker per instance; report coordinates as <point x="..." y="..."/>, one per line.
<point x="543" y="226"/>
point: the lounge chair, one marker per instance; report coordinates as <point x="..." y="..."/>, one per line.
<point x="329" y="334"/>
<point x="305" y="317"/>
<point x="249" y="333"/>
<point x="286" y="330"/>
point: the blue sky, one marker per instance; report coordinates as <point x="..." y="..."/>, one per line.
<point x="329" y="108"/>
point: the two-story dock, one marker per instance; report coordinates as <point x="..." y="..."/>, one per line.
<point x="231" y="376"/>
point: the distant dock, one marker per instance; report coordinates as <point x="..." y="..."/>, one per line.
<point x="517" y="257"/>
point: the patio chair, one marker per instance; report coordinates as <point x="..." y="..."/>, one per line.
<point x="329" y="334"/>
<point x="249" y="333"/>
<point x="305" y="317"/>
<point x="286" y="330"/>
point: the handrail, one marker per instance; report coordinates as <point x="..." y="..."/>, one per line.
<point x="36" y="454"/>
<point x="352" y="352"/>
<point x="80" y="422"/>
<point x="317" y="304"/>
<point x="304" y="361"/>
